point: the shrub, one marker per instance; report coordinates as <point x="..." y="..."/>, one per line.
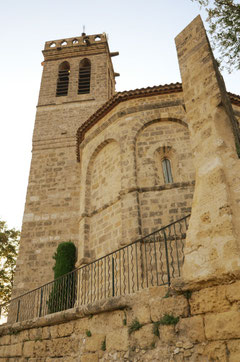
<point x="134" y="326"/>
<point x="63" y="293"/>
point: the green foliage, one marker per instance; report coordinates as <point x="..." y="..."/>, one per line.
<point x="155" y="329"/>
<point x="9" y="245"/>
<point x="224" y="28"/>
<point x="63" y="293"/>
<point x="168" y="319"/>
<point x="187" y="294"/>
<point x="124" y="321"/>
<point x="103" y="345"/>
<point x="88" y="333"/>
<point x="134" y="326"/>
<point x="65" y="259"/>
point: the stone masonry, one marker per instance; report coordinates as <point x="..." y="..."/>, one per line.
<point x="111" y="189"/>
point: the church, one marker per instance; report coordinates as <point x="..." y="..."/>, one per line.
<point x="110" y="169"/>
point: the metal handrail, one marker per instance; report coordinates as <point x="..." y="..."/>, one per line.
<point x="152" y="260"/>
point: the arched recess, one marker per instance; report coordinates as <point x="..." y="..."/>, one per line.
<point x="155" y="140"/>
<point x="162" y="202"/>
<point x="63" y="79"/>
<point x="102" y="199"/>
<point x="84" y="76"/>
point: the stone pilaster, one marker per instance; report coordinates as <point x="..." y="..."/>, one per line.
<point x="212" y="251"/>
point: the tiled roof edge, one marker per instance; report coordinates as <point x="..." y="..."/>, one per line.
<point x="131" y="94"/>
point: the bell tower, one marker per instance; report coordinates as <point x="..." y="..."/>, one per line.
<point x="77" y="78"/>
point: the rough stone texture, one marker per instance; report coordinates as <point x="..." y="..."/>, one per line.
<point x="210" y="336"/>
<point x="52" y="203"/>
<point x="212" y="245"/>
<point x="109" y="207"/>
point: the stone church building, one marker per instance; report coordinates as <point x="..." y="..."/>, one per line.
<point x="109" y="168"/>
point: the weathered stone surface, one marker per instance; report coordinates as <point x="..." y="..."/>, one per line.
<point x="94" y="343"/>
<point x="191" y="329"/>
<point x="117" y="340"/>
<point x="234" y="350"/>
<point x="167" y="334"/>
<point x="216" y="351"/>
<point x="212" y="243"/>
<point x="211" y="299"/>
<point x="65" y="329"/>
<point x="233" y="292"/>
<point x="35" y="333"/>
<point x="89" y="357"/>
<point x="28" y="349"/>
<point x="144" y="337"/>
<point x="176" y="306"/>
<point x="5" y="340"/>
<point x="222" y="325"/>
<point x="14" y="350"/>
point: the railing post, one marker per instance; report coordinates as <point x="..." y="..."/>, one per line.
<point x="40" y="307"/>
<point x="18" y="309"/>
<point x="167" y="261"/>
<point x="113" y="291"/>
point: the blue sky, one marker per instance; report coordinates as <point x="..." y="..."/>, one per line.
<point x="142" y="31"/>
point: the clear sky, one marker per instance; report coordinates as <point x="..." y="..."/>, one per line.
<point x="142" y="31"/>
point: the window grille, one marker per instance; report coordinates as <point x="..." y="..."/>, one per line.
<point x="167" y="172"/>
<point x="63" y="79"/>
<point x="84" y="77"/>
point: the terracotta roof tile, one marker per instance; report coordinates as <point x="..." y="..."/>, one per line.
<point x="131" y="94"/>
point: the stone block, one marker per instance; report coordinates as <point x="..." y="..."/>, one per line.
<point x="54" y="331"/>
<point x="234" y="350"/>
<point x="65" y="329"/>
<point x="94" y="342"/>
<point x="144" y="337"/>
<point x="216" y="351"/>
<point x="141" y="312"/>
<point x="108" y="321"/>
<point x="191" y="329"/>
<point x="15" y="338"/>
<point x="118" y="340"/>
<point x="176" y="306"/>
<point x="35" y="333"/>
<point x="222" y="325"/>
<point x="233" y="292"/>
<point x="209" y="300"/>
<point x="24" y="336"/>
<point x="40" y="349"/>
<point x="90" y="357"/>
<point x="28" y="349"/>
<point x="14" y="350"/>
<point x="167" y="334"/>
<point x="82" y="325"/>
<point x="45" y="333"/>
<point x="5" y="340"/>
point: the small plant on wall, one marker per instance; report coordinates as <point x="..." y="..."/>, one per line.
<point x="63" y="292"/>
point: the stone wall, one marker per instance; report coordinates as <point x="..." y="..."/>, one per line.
<point x="205" y="328"/>
<point x="51" y="211"/>
<point x="123" y="192"/>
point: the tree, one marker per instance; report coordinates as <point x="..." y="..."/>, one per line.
<point x="9" y="244"/>
<point x="224" y="28"/>
<point x="63" y="293"/>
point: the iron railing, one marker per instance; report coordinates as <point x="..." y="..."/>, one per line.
<point x="150" y="261"/>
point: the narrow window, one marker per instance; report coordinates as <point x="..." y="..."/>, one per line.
<point x="84" y="77"/>
<point x="63" y="79"/>
<point x="167" y="172"/>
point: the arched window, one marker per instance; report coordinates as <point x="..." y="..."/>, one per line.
<point x="84" y="77"/>
<point x="63" y="79"/>
<point x="167" y="172"/>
